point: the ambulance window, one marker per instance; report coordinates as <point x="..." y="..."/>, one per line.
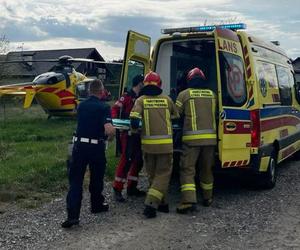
<point x="297" y="85"/>
<point x="286" y="82"/>
<point x="134" y="68"/>
<point x="232" y="80"/>
<point x="268" y="83"/>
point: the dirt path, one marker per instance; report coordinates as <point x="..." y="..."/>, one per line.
<point x="239" y="219"/>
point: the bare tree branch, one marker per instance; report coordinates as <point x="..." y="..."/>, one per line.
<point x="4" y="47"/>
<point x="4" y="44"/>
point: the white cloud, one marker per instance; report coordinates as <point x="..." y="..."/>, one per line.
<point x="105" y="23"/>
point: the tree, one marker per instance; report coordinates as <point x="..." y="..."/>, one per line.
<point x="4" y="44"/>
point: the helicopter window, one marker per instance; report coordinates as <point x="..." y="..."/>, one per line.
<point x="134" y="68"/>
<point x="49" y="78"/>
<point x="82" y="90"/>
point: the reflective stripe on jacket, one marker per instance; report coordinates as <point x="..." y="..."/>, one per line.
<point x="198" y="106"/>
<point x="156" y="113"/>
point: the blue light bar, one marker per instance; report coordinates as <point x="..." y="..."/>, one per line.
<point x="232" y="26"/>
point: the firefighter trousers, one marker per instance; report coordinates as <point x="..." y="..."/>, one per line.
<point x="159" y="170"/>
<point x="130" y="163"/>
<point x="201" y="157"/>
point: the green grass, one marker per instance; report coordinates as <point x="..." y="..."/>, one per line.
<point x="33" y="153"/>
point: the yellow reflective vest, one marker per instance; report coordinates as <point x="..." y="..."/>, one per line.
<point x="156" y="113"/>
<point x="198" y="106"/>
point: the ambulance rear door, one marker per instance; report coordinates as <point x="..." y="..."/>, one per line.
<point x="136" y="58"/>
<point x="234" y="126"/>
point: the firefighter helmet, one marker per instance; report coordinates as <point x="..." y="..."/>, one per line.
<point x="152" y="78"/>
<point x="195" y="73"/>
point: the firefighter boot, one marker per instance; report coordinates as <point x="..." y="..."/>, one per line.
<point x="149" y="212"/>
<point x="133" y="191"/>
<point x="163" y="208"/>
<point x="186" y="208"/>
<point x="118" y="196"/>
<point x="207" y="202"/>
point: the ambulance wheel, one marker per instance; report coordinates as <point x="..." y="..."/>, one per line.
<point x="268" y="179"/>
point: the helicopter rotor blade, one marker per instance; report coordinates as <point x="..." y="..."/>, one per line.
<point x="92" y="61"/>
<point x="16" y="85"/>
<point x="29" y="61"/>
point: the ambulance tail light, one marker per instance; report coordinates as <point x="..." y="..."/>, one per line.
<point x="255" y="128"/>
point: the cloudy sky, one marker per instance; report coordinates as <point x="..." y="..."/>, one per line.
<point x="53" y="24"/>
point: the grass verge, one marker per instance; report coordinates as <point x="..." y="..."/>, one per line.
<point x="33" y="152"/>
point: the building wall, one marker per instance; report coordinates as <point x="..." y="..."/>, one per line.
<point x="14" y="80"/>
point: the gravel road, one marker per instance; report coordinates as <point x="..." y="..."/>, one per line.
<point x="239" y="218"/>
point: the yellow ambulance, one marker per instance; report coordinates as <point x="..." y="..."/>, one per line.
<point x="258" y="100"/>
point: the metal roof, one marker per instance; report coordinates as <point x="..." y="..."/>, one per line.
<point x="36" y="68"/>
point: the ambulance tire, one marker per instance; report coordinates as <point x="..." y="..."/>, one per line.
<point x="268" y="179"/>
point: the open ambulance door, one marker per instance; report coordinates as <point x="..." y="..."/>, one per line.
<point x="136" y="58"/>
<point x="136" y="61"/>
<point x="234" y="125"/>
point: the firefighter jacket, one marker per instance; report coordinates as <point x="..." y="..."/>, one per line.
<point x="121" y="109"/>
<point x="197" y="107"/>
<point x="156" y="112"/>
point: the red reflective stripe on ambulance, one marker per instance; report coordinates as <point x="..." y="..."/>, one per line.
<point x="226" y="164"/>
<point x="247" y="62"/>
<point x="279" y="122"/>
<point x="230" y="164"/>
<point x="245" y="162"/>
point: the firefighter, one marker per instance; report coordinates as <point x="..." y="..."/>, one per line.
<point x="155" y="110"/>
<point x="196" y="106"/>
<point x="93" y="129"/>
<point x="131" y="161"/>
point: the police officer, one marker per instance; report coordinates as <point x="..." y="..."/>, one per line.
<point x="197" y="107"/>
<point x="155" y="110"/>
<point x="93" y="128"/>
<point x="131" y="161"/>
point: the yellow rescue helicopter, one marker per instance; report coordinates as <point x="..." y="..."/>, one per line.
<point x="58" y="91"/>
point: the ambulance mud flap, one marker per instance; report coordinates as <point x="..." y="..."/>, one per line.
<point x="255" y="159"/>
<point x="263" y="166"/>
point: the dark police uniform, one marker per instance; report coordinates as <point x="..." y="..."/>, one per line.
<point x="89" y="149"/>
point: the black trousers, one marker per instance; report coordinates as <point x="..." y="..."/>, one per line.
<point x="86" y="154"/>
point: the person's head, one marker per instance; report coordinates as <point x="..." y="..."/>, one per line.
<point x="152" y="84"/>
<point x="96" y="88"/>
<point x="195" y="78"/>
<point x="137" y="83"/>
<point x="152" y="78"/>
